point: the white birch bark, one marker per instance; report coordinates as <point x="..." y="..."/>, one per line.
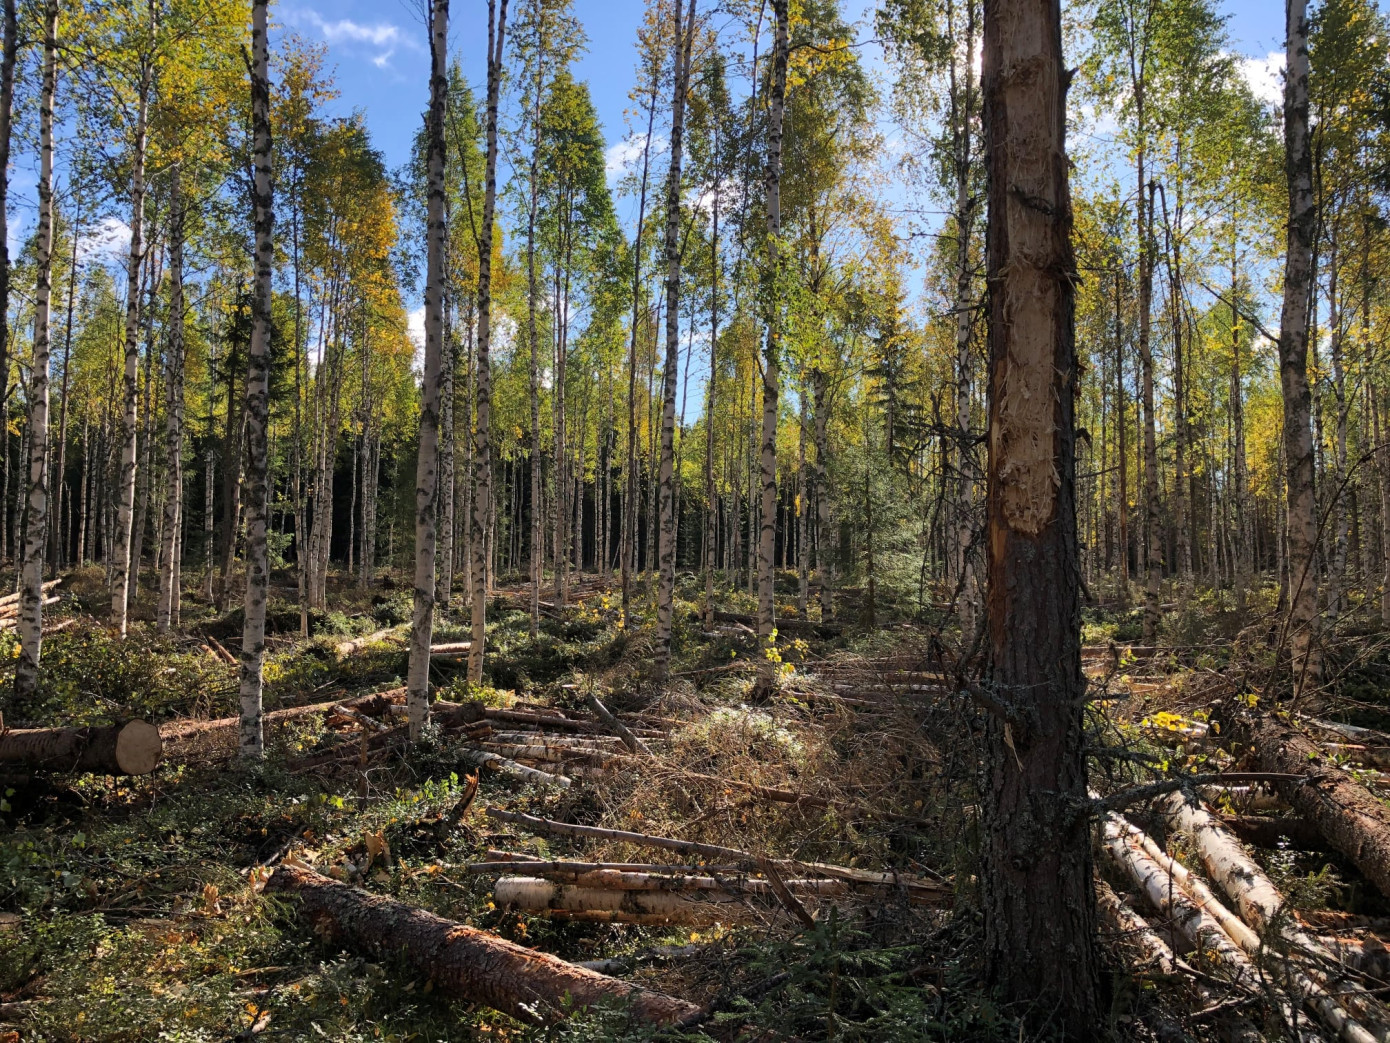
<point x="482" y="456"/>
<point x="666" y="547"/>
<point x="1293" y="352"/>
<point x="771" y="360"/>
<point x="427" y="460"/>
<point x="252" y="743"/>
<point x="36" y="514"/>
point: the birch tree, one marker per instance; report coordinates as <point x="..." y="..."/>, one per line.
<point x="36" y="512"/>
<point x="427" y="465"/>
<point x="257" y="394"/>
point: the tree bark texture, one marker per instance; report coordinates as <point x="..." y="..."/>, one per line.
<point x="36" y="511"/>
<point x="465" y="962"/>
<point x="1039" y="901"/>
<point x="252" y="743"/>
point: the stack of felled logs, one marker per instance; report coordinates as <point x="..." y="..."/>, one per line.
<point x="9" y="606"/>
<point x="1257" y="943"/>
<point x="732" y="887"/>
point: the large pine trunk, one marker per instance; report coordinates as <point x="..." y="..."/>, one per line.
<point x="36" y="512"/>
<point x="1036" y="875"/>
<point x="427" y="460"/>
<point x="482" y="456"/>
<point x="118" y="749"/>
<point x="125" y="509"/>
<point x="7" y="65"/>
<point x="464" y="962"/>
<point x="252" y="744"/>
<point x="1293" y="352"/>
<point x="772" y="350"/>
<point x="666" y="547"/>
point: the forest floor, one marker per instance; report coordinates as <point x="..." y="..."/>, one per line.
<point x="131" y="908"/>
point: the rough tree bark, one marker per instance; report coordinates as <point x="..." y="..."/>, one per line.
<point x="117" y="749"/>
<point x="252" y="743"/>
<point x="1037" y="876"/>
<point x="666" y="547"/>
<point x="1293" y="351"/>
<point x="36" y="512"/>
<point x="427" y="461"/>
<point x="7" y="64"/>
<point x="465" y="962"/>
<point x="482" y="454"/>
<point x="772" y="349"/>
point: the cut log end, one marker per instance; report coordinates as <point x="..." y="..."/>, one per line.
<point x="138" y="748"/>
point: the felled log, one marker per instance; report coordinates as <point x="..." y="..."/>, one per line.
<point x="918" y="887"/>
<point x="133" y="748"/>
<point x="462" y="961"/>
<point x="785" y="624"/>
<point x="1353" y="732"/>
<point x="1367" y="756"/>
<point x="1272" y="833"/>
<point x="622" y="905"/>
<point x="375" y="705"/>
<point x="496" y="762"/>
<point x="451" y="648"/>
<point x="9" y="615"/>
<point x="1348" y="816"/>
<point x="356" y="644"/>
<point x="623" y="732"/>
<point x="13" y="599"/>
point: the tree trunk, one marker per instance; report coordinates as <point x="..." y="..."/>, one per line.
<point x="1293" y="353"/>
<point x="125" y="512"/>
<point x="169" y="593"/>
<point x="1037" y="877"/>
<point x="464" y="962"/>
<point x="36" y="514"/>
<point x="772" y="350"/>
<point x="252" y="741"/>
<point x="1153" y="512"/>
<point x="681" y="43"/>
<point x="482" y="459"/>
<point x="117" y="749"/>
<point x="427" y="461"/>
<point x="57" y="542"/>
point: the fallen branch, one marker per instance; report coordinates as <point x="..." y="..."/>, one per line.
<point x="483" y="759"/>
<point x="631" y="741"/>
<point x="356" y="644"/>
<point x="463" y="961"/>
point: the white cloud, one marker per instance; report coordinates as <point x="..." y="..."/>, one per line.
<point x="385" y="38"/>
<point x="1265" y="76"/>
<point x="621" y="153"/>
<point x="415" y="326"/>
<point x="105" y="242"/>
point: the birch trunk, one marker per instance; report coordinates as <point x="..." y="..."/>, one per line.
<point x="427" y="465"/>
<point x="1293" y="353"/>
<point x="666" y="547"/>
<point x="169" y="594"/>
<point x="125" y="511"/>
<point x="771" y="381"/>
<point x="711" y="492"/>
<point x="36" y="515"/>
<point x="252" y="742"/>
<point x="1038" y="894"/>
<point x="482" y="458"/>
<point x="7" y="65"/>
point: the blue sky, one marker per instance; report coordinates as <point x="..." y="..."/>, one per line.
<point x="378" y="50"/>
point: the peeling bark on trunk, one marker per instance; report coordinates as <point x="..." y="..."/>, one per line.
<point x="36" y="512"/>
<point x="1293" y="354"/>
<point x="683" y="39"/>
<point x="252" y="739"/>
<point x="482" y="457"/>
<point x="1039" y="902"/>
<point x="465" y="962"/>
<point x="427" y="461"/>
<point x="772" y="350"/>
